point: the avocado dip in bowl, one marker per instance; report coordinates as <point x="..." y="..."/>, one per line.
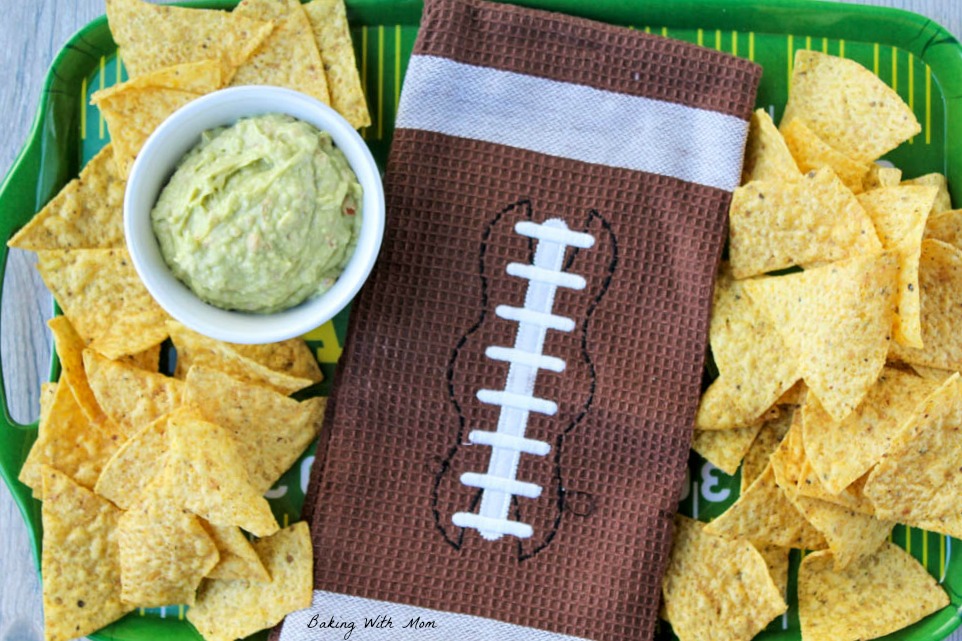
<point x="254" y="214"/>
<point x="260" y="215"/>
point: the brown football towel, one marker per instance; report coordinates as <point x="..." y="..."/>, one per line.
<point x="509" y="430"/>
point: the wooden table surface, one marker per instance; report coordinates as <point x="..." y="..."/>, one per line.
<point x="32" y="31"/>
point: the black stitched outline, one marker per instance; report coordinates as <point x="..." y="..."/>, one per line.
<point x="449" y="373"/>
<point x="559" y="442"/>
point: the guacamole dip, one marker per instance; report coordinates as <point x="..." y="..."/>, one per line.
<point x="259" y="216"/>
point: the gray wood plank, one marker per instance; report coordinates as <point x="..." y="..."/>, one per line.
<point x="32" y="31"/>
<point x="947" y="13"/>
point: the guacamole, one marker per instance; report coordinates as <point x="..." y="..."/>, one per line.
<point x="259" y="216"/>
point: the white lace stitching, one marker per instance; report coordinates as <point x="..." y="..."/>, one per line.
<point x="517" y="399"/>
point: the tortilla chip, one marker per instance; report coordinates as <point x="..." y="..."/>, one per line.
<point x="841" y="452"/>
<point x="148" y="360"/>
<point x="721" y="408"/>
<point x="870" y="598"/>
<point x="812" y="153"/>
<point x="136" y="464"/>
<point x="794" y="396"/>
<point x="195" y="77"/>
<point x="333" y="37"/>
<point x="293" y="357"/>
<point x="899" y="215"/>
<point x="68" y="442"/>
<point x="244" y="37"/>
<point x="130" y="396"/>
<point x="133" y="333"/>
<point x="48" y="392"/>
<point x="289" y="57"/>
<point x="70" y="349"/>
<point x="774" y="225"/>
<point x="717" y="588"/>
<point x="879" y="177"/>
<point x="946" y="227"/>
<point x="725" y="448"/>
<point x="750" y="356"/>
<point x="153" y="36"/>
<point x="86" y="214"/>
<point x="949" y="525"/>
<point x="228" y="610"/>
<point x="134" y="109"/>
<point x="766" y="155"/>
<point x="851" y="535"/>
<point x="939" y="376"/>
<point x="852" y="497"/>
<point x="762" y="448"/>
<point x="197" y="349"/>
<point x="837" y="322"/>
<point x="94" y="287"/>
<point x="940" y="279"/>
<point x="943" y="202"/>
<point x="133" y="115"/>
<point x="776" y="559"/>
<point x="764" y="515"/>
<point x="80" y="561"/>
<point x="238" y="560"/>
<point x="919" y="478"/>
<point x="733" y="316"/>
<point x="164" y="550"/>
<point x="789" y="457"/>
<point x="848" y="106"/>
<point x="205" y="460"/>
<point x="271" y="430"/>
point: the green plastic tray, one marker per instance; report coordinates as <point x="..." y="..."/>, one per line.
<point x="915" y="56"/>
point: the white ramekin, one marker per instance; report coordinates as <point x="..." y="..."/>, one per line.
<point x="156" y="162"/>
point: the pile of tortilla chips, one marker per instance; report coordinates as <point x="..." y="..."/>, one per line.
<point x="175" y="54"/>
<point x="150" y="481"/>
<point x="838" y="391"/>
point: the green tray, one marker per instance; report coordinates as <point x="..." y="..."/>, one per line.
<point x="917" y="57"/>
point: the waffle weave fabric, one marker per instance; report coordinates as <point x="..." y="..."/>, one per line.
<point x="509" y="429"/>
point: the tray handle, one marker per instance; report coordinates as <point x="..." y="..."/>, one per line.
<point x="25" y="305"/>
<point x="24" y="336"/>
<point x="25" y="340"/>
